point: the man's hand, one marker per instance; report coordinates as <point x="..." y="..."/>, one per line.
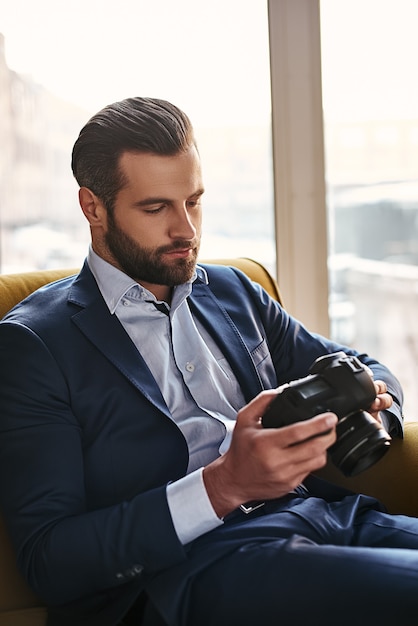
<point x="383" y="400"/>
<point x="266" y="463"/>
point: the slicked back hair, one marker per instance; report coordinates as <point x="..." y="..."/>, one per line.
<point x="146" y="125"/>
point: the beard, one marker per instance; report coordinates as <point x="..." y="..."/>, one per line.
<point x="146" y="264"/>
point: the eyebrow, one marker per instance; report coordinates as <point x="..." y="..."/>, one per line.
<point x="161" y="200"/>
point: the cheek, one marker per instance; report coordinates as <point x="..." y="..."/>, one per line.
<point x="197" y="221"/>
<point x="139" y="231"/>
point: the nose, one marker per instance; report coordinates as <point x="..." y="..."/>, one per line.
<point x="182" y="224"/>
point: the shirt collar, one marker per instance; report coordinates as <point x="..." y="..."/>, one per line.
<point x="115" y="284"/>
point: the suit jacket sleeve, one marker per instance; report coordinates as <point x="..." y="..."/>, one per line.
<point x="69" y="543"/>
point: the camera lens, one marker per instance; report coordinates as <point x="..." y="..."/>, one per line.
<point x="361" y="442"/>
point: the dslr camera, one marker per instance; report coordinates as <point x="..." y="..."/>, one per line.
<point x="341" y="384"/>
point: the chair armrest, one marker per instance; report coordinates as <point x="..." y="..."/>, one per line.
<point x="393" y="479"/>
<point x="18" y="604"/>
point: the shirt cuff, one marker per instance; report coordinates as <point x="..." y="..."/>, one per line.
<point x="191" y="510"/>
<point x="392" y="423"/>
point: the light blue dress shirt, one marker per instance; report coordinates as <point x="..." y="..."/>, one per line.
<point x="197" y="383"/>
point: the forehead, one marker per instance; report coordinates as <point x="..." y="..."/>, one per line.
<point x="148" y="171"/>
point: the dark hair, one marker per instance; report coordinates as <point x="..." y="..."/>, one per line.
<point x="131" y="125"/>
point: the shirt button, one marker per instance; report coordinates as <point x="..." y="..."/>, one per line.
<point x="125" y="302"/>
<point x="190" y="367"/>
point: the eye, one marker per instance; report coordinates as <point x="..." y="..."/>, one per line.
<point x="154" y="211"/>
<point x="194" y="203"/>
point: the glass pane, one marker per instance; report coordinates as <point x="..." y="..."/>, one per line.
<point x="62" y="61"/>
<point x="369" y="50"/>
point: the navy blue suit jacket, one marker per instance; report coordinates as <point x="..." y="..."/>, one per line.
<point x="86" y="439"/>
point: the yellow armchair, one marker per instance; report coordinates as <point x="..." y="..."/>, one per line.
<point x="394" y="479"/>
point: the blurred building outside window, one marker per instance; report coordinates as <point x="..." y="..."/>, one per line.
<point x="370" y="98"/>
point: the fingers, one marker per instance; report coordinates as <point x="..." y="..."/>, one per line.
<point x="250" y="416"/>
<point x="380" y="386"/>
<point x="251" y="413"/>
<point x="303" y="447"/>
<point x="383" y="399"/>
<point x="319" y="426"/>
<point x="382" y="402"/>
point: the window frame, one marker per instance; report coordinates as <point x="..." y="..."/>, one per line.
<point x="301" y="233"/>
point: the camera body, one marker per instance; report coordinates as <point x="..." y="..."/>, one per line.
<point x="341" y="384"/>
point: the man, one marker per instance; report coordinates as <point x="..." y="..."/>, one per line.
<point x="119" y="393"/>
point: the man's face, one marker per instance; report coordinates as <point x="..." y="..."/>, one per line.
<point x="155" y="230"/>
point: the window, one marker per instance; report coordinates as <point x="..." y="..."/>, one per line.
<point x="61" y="62"/>
<point x="370" y="96"/>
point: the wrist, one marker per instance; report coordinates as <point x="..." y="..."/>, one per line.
<point x="220" y="488"/>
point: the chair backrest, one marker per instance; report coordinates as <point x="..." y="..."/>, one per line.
<point x="16" y="287"/>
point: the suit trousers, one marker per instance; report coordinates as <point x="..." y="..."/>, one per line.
<point x="298" y="560"/>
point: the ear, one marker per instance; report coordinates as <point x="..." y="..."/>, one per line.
<point x="92" y="208"/>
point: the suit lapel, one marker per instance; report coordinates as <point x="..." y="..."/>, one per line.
<point x="108" y="335"/>
<point x="213" y="316"/>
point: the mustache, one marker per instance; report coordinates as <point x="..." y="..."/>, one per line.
<point x="179" y="244"/>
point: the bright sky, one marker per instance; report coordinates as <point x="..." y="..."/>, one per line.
<point x="211" y="56"/>
<point x="370" y="52"/>
<point x="206" y="56"/>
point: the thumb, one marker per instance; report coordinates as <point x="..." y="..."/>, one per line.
<point x="251" y="413"/>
